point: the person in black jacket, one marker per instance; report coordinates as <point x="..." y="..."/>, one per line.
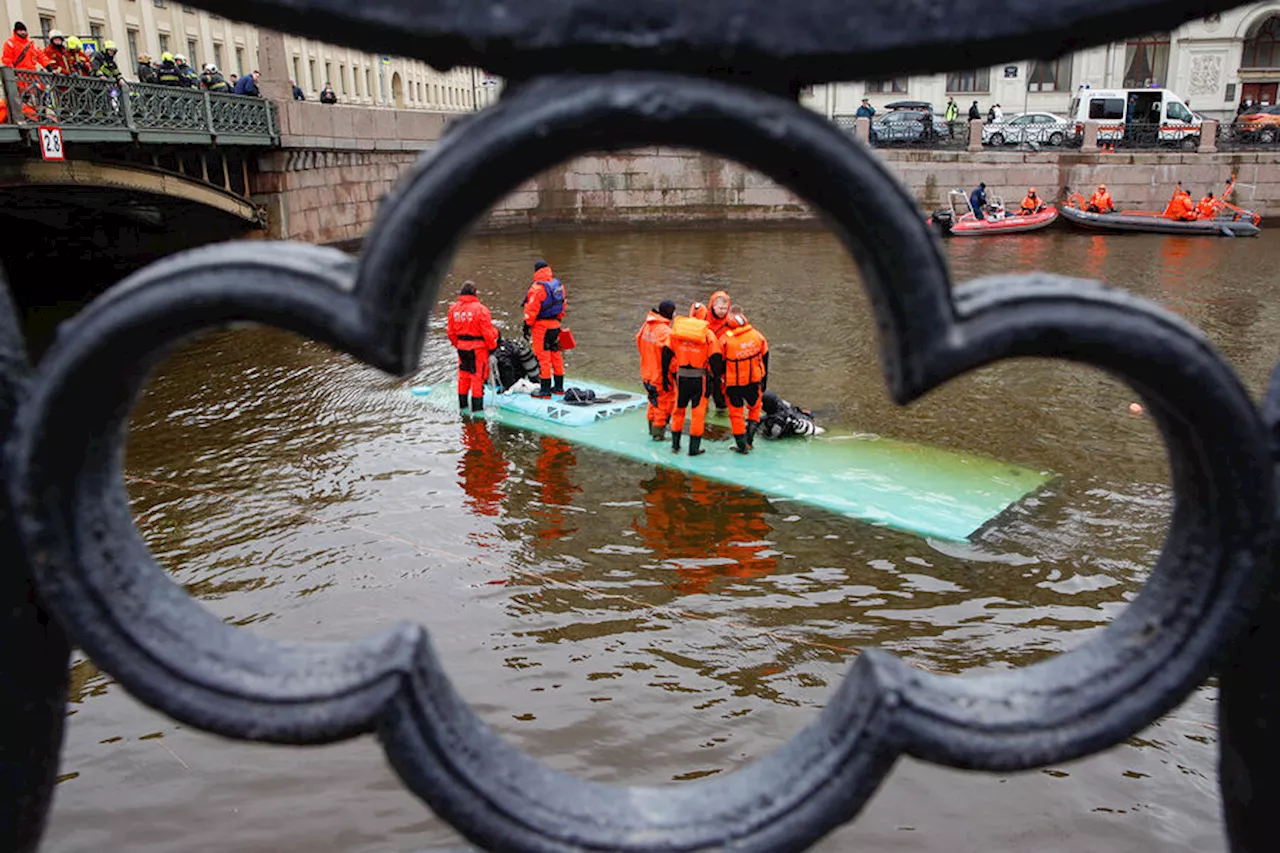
<point x="298" y="94"/>
<point x="975" y="114"/>
<point x="327" y="95"/>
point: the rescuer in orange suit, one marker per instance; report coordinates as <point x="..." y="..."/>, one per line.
<point x="691" y="362"/>
<point x="1031" y="204"/>
<point x="1100" y="201"/>
<point x="652" y="338"/>
<point x="1181" y="207"/>
<point x="543" y="310"/>
<point x="717" y="318"/>
<point x="472" y="333"/>
<point x="746" y="371"/>
<point x="1207" y="208"/>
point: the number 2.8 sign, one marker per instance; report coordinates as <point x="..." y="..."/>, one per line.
<point x="51" y="143"/>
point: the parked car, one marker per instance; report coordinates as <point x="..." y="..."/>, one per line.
<point x="1044" y="128"/>
<point x="1260" y="124"/>
<point x="902" y="126"/>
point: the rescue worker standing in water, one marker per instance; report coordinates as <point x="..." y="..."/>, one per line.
<point x="651" y="340"/>
<point x="543" y="309"/>
<point x="691" y="362"/>
<point x="472" y="333"/>
<point x="746" y="372"/>
<point x="718" y="319"/>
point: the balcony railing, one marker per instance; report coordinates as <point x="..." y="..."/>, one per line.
<point x="90" y="109"/>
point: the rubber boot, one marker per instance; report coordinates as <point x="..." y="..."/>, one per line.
<point x="477" y="405"/>
<point x="544" y="390"/>
<point x="657" y="432"/>
<point x="462" y="402"/>
<point x="740" y="444"/>
<point x="752" y="426"/>
<point x="695" y="445"/>
<point x="675" y="441"/>
<point x="557" y="384"/>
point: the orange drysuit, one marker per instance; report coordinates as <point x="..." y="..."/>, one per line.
<point x="58" y="60"/>
<point x="651" y="340"/>
<point x="1100" y="202"/>
<point x="718" y="319"/>
<point x="472" y="333"/>
<point x="543" y="310"/>
<point x="1181" y="206"/>
<point x="694" y="361"/>
<point x="22" y="54"/>
<point x="746" y="366"/>
<point x="1207" y="208"/>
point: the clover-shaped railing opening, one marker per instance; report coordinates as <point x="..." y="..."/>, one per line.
<point x="100" y="580"/>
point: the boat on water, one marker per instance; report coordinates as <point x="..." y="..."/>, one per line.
<point x="1227" y="221"/>
<point x="957" y="218"/>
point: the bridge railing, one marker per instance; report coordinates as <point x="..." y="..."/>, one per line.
<point x="90" y="109"/>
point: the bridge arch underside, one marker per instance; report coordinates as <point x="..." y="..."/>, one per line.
<point x="72" y="229"/>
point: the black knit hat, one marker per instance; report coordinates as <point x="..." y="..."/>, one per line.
<point x="18" y="25"/>
<point x="667" y="308"/>
<point x="537" y="265"/>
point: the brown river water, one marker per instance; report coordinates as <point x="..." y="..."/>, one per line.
<point x="304" y="496"/>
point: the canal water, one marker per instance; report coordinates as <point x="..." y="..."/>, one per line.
<point x="632" y="624"/>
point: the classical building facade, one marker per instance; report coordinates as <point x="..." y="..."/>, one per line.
<point x="1214" y="63"/>
<point x="151" y="27"/>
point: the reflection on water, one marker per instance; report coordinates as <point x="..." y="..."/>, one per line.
<point x="632" y="623"/>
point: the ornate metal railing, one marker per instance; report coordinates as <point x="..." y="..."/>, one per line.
<point x="601" y="74"/>
<point x="95" y="110"/>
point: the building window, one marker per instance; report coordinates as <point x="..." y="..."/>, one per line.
<point x="1053" y="75"/>
<point x="240" y="61"/>
<point x="978" y="80"/>
<point x="132" y="37"/>
<point x="95" y="30"/>
<point x="1262" y="49"/>
<point x="311" y="75"/>
<point x="1146" y="61"/>
<point x="191" y="54"/>
<point x="46" y="25"/>
<point x="328" y="73"/>
<point x="164" y="42"/>
<point x="159" y="4"/>
<point x="368" y="83"/>
<point x="217" y="55"/>
<point x="896" y="85"/>
<point x="342" y="78"/>
<point x="297" y="76"/>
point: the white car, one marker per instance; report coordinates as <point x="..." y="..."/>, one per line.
<point x="1041" y="128"/>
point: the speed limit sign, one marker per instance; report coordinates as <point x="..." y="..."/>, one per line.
<point x="51" y="143"/>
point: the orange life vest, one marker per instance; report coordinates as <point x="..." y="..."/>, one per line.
<point x="1207" y="208"/>
<point x="692" y="342"/>
<point x="652" y="337"/>
<point x="1102" y="201"/>
<point x="744" y="350"/>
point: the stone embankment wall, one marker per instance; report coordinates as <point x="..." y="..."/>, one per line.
<point x="336" y="164"/>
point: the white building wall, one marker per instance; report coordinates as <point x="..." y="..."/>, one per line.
<point x="1204" y="68"/>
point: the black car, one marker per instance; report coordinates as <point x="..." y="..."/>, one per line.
<point x="905" y="126"/>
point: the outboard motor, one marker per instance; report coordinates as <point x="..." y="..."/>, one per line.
<point x="941" y="221"/>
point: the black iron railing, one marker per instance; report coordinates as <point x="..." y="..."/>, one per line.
<point x="601" y="74"/>
<point x="93" y="109"/>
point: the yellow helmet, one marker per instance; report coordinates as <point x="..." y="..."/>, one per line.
<point x="108" y="45"/>
<point x="73" y="43"/>
<point x="166" y="57"/>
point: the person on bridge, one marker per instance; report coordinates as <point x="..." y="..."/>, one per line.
<point x="978" y="200"/>
<point x="298" y="94"/>
<point x="1100" y="201"/>
<point x="472" y="333"/>
<point x="213" y="81"/>
<point x="248" y="85"/>
<point x="168" y="74"/>
<point x="20" y="52"/>
<point x="104" y="63"/>
<point x="327" y="95"/>
<point x="146" y="71"/>
<point x="865" y="110"/>
<point x="651" y="341"/>
<point x="190" y="79"/>
<point x="694" y="360"/>
<point x="81" y="65"/>
<point x="975" y="114"/>
<point x="1031" y="204"/>
<point x="56" y="58"/>
<point x="544" y="306"/>
<point x="1181" y="207"/>
<point x="1207" y="208"/>
<point x="746" y="376"/>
